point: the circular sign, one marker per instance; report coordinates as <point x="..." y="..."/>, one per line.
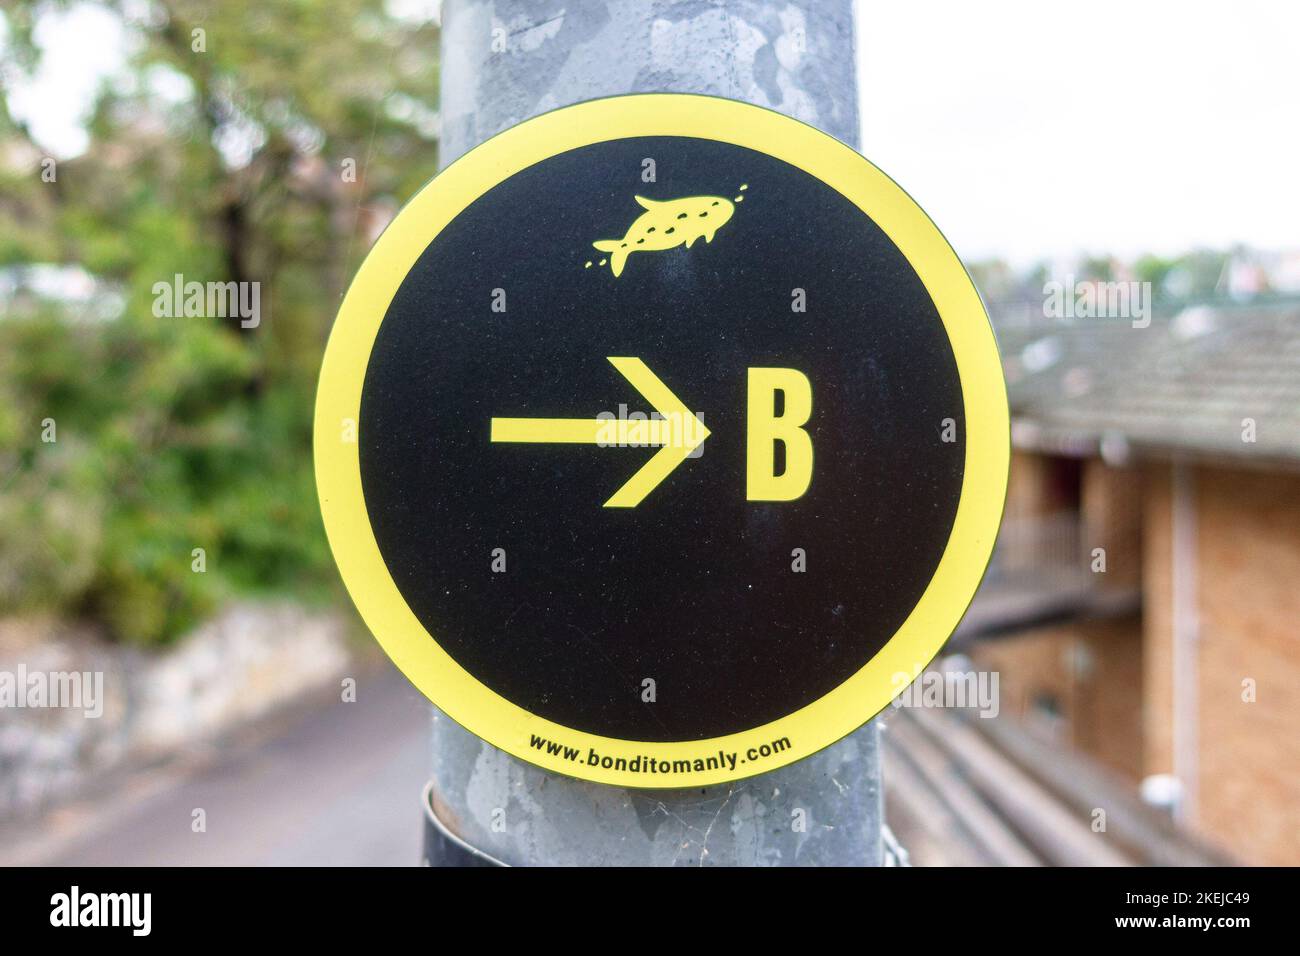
<point x="661" y="440"/>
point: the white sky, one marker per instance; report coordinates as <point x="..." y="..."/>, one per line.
<point x="1034" y="129"/>
<point x="1026" y="129"/>
<point x="81" y="48"/>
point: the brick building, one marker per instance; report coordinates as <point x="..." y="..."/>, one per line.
<point x="1144" y="599"/>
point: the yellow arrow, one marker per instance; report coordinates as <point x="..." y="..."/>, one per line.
<point x="678" y="432"/>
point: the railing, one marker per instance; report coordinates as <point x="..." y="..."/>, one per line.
<point x="1041" y="546"/>
<point x="1040" y="572"/>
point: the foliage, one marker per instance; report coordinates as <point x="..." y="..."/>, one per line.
<point x="181" y="433"/>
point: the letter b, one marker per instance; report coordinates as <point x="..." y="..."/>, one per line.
<point x="765" y="428"/>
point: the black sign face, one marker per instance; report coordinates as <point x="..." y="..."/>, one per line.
<point x="662" y="440"/>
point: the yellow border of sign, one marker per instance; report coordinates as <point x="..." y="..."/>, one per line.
<point x="338" y="477"/>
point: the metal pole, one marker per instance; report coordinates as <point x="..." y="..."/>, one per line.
<point x="504" y="61"/>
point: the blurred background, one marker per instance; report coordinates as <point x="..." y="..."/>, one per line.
<point x="1121" y="185"/>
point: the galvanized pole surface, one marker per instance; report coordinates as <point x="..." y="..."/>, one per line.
<point x="506" y="61"/>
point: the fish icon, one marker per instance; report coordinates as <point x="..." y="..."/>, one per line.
<point x="669" y="223"/>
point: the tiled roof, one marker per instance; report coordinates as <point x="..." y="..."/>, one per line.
<point x="1184" y="385"/>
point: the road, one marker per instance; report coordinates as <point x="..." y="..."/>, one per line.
<point x="330" y="784"/>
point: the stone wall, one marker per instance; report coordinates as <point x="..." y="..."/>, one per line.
<point x="246" y="662"/>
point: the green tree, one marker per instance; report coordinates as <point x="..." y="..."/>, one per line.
<point x="254" y="142"/>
